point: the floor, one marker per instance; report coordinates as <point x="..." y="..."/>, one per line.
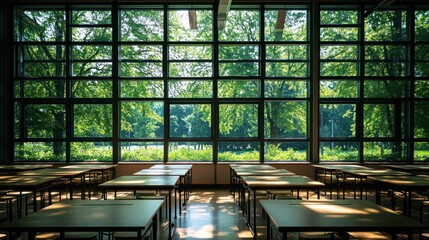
<point x="212" y="213"/>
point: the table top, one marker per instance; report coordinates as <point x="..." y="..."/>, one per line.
<point x="340" y="167"/>
<point x="142" y="181"/>
<point x="64" y="172"/>
<point x="374" y="172"/>
<point x="23" y="167"/>
<point x="162" y="172"/>
<point x="112" y="215"/>
<point x="416" y="181"/>
<point x="250" y="166"/>
<point x="93" y="167"/>
<point x="172" y="166"/>
<point x="335" y="215"/>
<point x="263" y="172"/>
<point x="409" y="167"/>
<point x="25" y="181"/>
<point x="295" y="181"/>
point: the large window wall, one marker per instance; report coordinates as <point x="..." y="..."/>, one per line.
<point x="122" y="83"/>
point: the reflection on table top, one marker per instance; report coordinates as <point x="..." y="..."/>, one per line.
<point x="29" y="181"/>
<point x="295" y="181"/>
<point x="93" y="167"/>
<point x="65" y="172"/>
<point x="250" y="166"/>
<point x="414" y="180"/>
<point x="339" y="167"/>
<point x="89" y="215"/>
<point x="23" y="167"/>
<point x="162" y="172"/>
<point x="263" y="172"/>
<point x="172" y="166"/>
<point x="337" y="215"/>
<point x="375" y="172"/>
<point x="142" y="181"/>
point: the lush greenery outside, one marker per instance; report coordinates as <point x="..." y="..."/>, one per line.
<point x="164" y="83"/>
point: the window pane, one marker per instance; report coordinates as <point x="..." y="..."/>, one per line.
<point x="40" y="25"/>
<point x="236" y="69"/>
<point x="285" y="151"/>
<point x="421" y="120"/>
<point x="44" y="89"/>
<point x="421" y="89"/>
<point x="190" y="25"/>
<point x="142" y="120"/>
<point x="339" y="89"/>
<point x="91" y="34"/>
<point x="421" y="151"/>
<point x="241" y="26"/>
<point x="337" y="17"/>
<point x="190" y="52"/>
<point x="190" y="120"/>
<point x="141" y="61"/>
<point x="285" y="119"/>
<point x="92" y="89"/>
<point x="385" y="151"/>
<point x="40" y="151"/>
<point x="91" y="17"/>
<point x="339" y="152"/>
<point x="287" y="52"/>
<point x="422" y="60"/>
<point x="142" y="89"/>
<point x="238" y="88"/>
<point x="91" y="152"/>
<point x="339" y="60"/>
<point x="142" y="151"/>
<point x="17" y="116"/>
<point x="41" y="61"/>
<point x="286" y="25"/>
<point x="286" y="89"/>
<point x="379" y="120"/>
<point x="337" y="120"/>
<point x="190" y="69"/>
<point x="45" y="121"/>
<point x="92" y="120"/>
<point x="239" y="151"/>
<point x="339" y="34"/>
<point x="386" y="60"/>
<point x="190" y="152"/>
<point x="386" y="26"/>
<point x="384" y="89"/>
<point x="421" y="26"/>
<point x="238" y="120"/>
<point x="190" y="89"/>
<point x="287" y="69"/>
<point x="142" y="25"/>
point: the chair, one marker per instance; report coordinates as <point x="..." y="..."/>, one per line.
<point x="368" y="235"/>
<point x="8" y="200"/>
<point x="24" y="198"/>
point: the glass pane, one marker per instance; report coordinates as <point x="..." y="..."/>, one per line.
<point x="287" y="52"/>
<point x="339" y="60"/>
<point x="247" y="52"/>
<point x="379" y="120"/>
<point x="92" y="52"/>
<point x="17" y="120"/>
<point x="141" y="52"/>
<point x="421" y="120"/>
<point x="142" y="151"/>
<point x="422" y="60"/>
<point x="285" y="151"/>
<point x="190" y="25"/>
<point x="142" y="120"/>
<point x="142" y="89"/>
<point x="91" y="152"/>
<point x="92" y="120"/>
<point x="190" y="120"/>
<point x="142" y="25"/>
<point x="385" y="152"/>
<point x="190" y="89"/>
<point x="190" y="69"/>
<point x="92" y="89"/>
<point x="44" y="89"/>
<point x="41" y="61"/>
<point x="91" y="34"/>
<point x="421" y="89"/>
<point x="339" y="152"/>
<point x="238" y="88"/>
<point x="238" y="120"/>
<point x="386" y="26"/>
<point x="287" y="69"/>
<point x="88" y="69"/>
<point x="38" y="25"/>
<point x="241" y="26"/>
<point x="286" y="25"/>
<point x="190" y="52"/>
<point x="386" y="60"/>
<point x="421" y="26"/>
<point x="285" y="119"/>
<point x="339" y="34"/>
<point x="286" y="89"/>
<point x="339" y="17"/>
<point x="141" y="69"/>
<point x="43" y="52"/>
<point x="339" y="89"/>
<point x="239" y="151"/>
<point x="45" y="121"/>
<point x="91" y="17"/>
<point x="337" y="120"/>
<point x="42" y="69"/>
<point x="190" y="152"/>
<point x="384" y="89"/>
<point x="40" y="151"/>
<point x="421" y="151"/>
<point x="236" y="69"/>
